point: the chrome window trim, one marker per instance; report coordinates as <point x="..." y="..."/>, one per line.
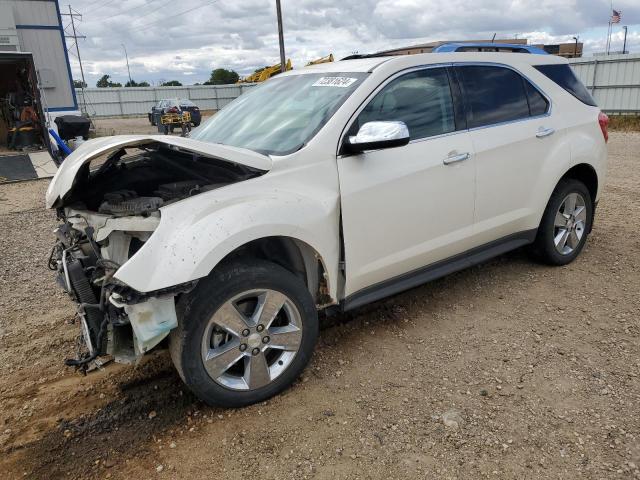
<point x="534" y="84"/>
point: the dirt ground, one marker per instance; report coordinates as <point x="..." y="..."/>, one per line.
<point x="507" y="370"/>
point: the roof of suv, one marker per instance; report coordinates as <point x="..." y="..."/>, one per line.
<point x="368" y="64"/>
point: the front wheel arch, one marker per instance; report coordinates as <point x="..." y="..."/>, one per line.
<point x="294" y="255"/>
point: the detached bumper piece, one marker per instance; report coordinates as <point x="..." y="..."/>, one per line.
<point x="151" y="321"/>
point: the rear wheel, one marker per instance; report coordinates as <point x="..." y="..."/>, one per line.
<point x="244" y="334"/>
<point x="565" y="225"/>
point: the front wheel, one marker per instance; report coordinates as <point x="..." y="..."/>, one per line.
<point x="565" y="225"/>
<point x="244" y="334"/>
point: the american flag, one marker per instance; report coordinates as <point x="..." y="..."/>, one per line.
<point x="615" y="16"/>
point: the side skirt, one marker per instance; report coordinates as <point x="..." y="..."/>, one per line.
<point x="439" y="269"/>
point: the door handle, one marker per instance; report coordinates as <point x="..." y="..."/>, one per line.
<point x="545" y="132"/>
<point x="456" y="158"/>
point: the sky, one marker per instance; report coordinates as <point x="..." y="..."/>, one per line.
<point x="185" y="40"/>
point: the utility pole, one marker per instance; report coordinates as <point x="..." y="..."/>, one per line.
<point x="128" y="71"/>
<point x="72" y="16"/>
<point x="283" y="62"/>
<point x="624" y="44"/>
<point x="575" y="48"/>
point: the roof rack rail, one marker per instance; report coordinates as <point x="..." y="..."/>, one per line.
<point x="357" y="56"/>
<point x="488" y="47"/>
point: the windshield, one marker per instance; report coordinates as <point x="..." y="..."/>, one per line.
<point x="281" y="115"/>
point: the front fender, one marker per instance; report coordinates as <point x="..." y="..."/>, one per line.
<point x="194" y="235"/>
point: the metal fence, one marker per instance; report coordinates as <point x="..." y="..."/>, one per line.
<point x="613" y="80"/>
<point x="122" y="102"/>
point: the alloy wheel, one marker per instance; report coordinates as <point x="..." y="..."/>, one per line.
<point x="251" y="339"/>
<point x="570" y="223"/>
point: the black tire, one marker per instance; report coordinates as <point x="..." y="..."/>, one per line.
<point x="197" y="307"/>
<point x="544" y="248"/>
<point x="196" y="124"/>
<point x="166" y="130"/>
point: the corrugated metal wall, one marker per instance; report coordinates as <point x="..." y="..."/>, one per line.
<point x="103" y="102"/>
<point x="614" y="81"/>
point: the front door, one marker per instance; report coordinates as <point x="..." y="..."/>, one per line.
<point x="407" y="207"/>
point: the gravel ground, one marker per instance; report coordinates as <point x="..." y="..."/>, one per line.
<point x="128" y="125"/>
<point x="506" y="370"/>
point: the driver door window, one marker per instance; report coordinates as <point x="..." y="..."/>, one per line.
<point x="422" y="100"/>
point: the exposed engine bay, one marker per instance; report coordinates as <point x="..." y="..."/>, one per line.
<point x="110" y="212"/>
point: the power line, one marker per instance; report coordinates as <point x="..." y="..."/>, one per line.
<point x="109" y="2"/>
<point x="151" y="12"/>
<point x="102" y="19"/>
<point x="92" y="4"/>
<point x="145" y="27"/>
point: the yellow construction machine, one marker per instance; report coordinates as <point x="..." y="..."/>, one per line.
<point x="266" y="73"/>
<point x="327" y="59"/>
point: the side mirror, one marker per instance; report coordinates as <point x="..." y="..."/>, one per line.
<point x="378" y="135"/>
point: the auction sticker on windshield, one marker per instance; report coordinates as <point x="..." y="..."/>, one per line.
<point x="341" y="82"/>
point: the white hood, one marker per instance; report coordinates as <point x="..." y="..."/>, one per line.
<point x="64" y="178"/>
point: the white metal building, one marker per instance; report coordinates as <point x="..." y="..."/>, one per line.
<point x="36" y="26"/>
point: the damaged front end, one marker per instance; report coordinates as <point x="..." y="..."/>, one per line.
<point x="114" y="320"/>
<point x="109" y="211"/>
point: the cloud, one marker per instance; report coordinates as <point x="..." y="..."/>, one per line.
<point x="176" y="40"/>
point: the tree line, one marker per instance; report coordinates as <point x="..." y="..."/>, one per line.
<point x="219" y="76"/>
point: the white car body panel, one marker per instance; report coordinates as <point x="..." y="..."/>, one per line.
<point x="390" y="218"/>
<point x="512" y="163"/>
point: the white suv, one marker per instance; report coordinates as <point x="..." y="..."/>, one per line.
<point x="323" y="189"/>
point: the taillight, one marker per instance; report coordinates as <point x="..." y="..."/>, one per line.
<point x="603" y="120"/>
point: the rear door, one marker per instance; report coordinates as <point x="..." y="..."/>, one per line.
<point x="514" y="132"/>
<point x="407" y="207"/>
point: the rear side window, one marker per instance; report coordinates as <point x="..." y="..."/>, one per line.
<point x="564" y="76"/>
<point x="538" y="105"/>
<point x="493" y="95"/>
<point x="422" y="100"/>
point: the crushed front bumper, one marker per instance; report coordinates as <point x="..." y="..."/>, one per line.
<point x="114" y="319"/>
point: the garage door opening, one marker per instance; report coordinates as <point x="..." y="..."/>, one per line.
<point x="22" y="123"/>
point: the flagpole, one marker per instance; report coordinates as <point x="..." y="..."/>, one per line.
<point x="610" y="27"/>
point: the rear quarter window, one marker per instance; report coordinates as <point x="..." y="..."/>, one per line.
<point x="564" y="77"/>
